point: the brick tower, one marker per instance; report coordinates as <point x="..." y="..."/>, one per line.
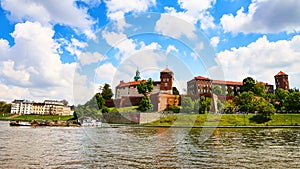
<point x="282" y="81"/>
<point x="166" y="81"/>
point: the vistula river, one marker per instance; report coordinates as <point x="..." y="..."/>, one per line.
<point x="138" y="147"/>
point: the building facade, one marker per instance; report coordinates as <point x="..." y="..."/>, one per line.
<point x="129" y="89"/>
<point x="48" y="107"/>
<point x="282" y="81"/>
<point x="161" y="95"/>
<point x="200" y="85"/>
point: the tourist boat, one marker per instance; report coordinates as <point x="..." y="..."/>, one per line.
<point x="18" y="123"/>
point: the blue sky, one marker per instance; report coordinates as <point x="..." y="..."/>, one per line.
<point x="65" y="51"/>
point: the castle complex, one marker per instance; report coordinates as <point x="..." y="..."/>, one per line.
<point x="126" y="93"/>
<point x="203" y="85"/>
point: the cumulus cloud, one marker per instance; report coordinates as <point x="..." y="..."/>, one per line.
<point x="194" y="11"/>
<point x="171" y="48"/>
<point x="34" y="66"/>
<point x="175" y="27"/>
<point x="118" y="8"/>
<point x="50" y="12"/>
<point x="264" y="16"/>
<point x="214" y="41"/>
<point x="90" y="57"/>
<point x="261" y="59"/>
<point x="106" y="72"/>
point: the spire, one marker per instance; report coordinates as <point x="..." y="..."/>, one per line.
<point x="137" y="75"/>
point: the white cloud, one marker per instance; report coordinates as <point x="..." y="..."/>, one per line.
<point x="106" y="72"/>
<point x="32" y="65"/>
<point x="261" y="59"/>
<point x="118" y="8"/>
<point x="214" y="41"/>
<point x="88" y="58"/>
<point x="197" y="10"/>
<point x="50" y="12"/>
<point x="175" y="27"/>
<point x="264" y="16"/>
<point x="171" y="48"/>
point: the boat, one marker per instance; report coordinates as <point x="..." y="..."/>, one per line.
<point x="18" y="123"/>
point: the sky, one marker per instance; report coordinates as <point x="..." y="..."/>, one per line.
<point x="55" y="49"/>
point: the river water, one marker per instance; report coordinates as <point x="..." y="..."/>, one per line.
<point x="137" y="147"/>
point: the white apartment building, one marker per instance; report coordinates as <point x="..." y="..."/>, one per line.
<point x="48" y="107"/>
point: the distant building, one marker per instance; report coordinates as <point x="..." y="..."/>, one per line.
<point x="203" y="85"/>
<point x="200" y="85"/>
<point x="282" y="81"/>
<point x="48" y="107"/>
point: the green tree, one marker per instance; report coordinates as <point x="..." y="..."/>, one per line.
<point x="187" y="105"/>
<point x="202" y="104"/>
<point x="106" y="92"/>
<point x="248" y="85"/>
<point x="292" y="102"/>
<point x="145" y="88"/>
<point x="217" y="90"/>
<point x="280" y="98"/>
<point x="246" y="102"/>
<point x="259" y="89"/>
<point x="175" y="91"/>
<point x="145" y="104"/>
<point x="229" y="106"/>
<point x="230" y="91"/>
<point x="265" y="109"/>
<point x="100" y="101"/>
<point x="65" y="102"/>
<point x="4" y="107"/>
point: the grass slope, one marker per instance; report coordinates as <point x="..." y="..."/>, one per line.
<point x="33" y="117"/>
<point x="225" y="120"/>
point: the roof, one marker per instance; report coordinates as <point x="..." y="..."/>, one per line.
<point x="133" y="83"/>
<point x="166" y="70"/>
<point x="227" y="82"/>
<point x="202" y="78"/>
<point x="281" y="73"/>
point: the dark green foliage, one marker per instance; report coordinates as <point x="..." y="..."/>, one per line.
<point x="100" y="101"/>
<point x="145" y="104"/>
<point x="248" y="85"/>
<point x="204" y="104"/>
<point x="175" y="91"/>
<point x="89" y="109"/>
<point x="259" y="119"/>
<point x="292" y="102"/>
<point x="217" y="90"/>
<point x="259" y="89"/>
<point x="4" y="107"/>
<point x="174" y="109"/>
<point x="145" y="87"/>
<point x="280" y="98"/>
<point x="229" y="107"/>
<point x="187" y="105"/>
<point x="246" y="102"/>
<point x="265" y="108"/>
<point x="106" y="92"/>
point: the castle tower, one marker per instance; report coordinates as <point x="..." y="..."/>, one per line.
<point x="282" y="81"/>
<point x="166" y="81"/>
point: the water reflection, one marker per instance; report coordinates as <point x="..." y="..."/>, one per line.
<point x="135" y="147"/>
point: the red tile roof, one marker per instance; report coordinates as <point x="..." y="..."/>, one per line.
<point x="281" y="73"/>
<point x="134" y="83"/>
<point x="222" y="82"/>
<point x="202" y="78"/>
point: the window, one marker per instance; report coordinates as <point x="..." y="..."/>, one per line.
<point x="166" y="84"/>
